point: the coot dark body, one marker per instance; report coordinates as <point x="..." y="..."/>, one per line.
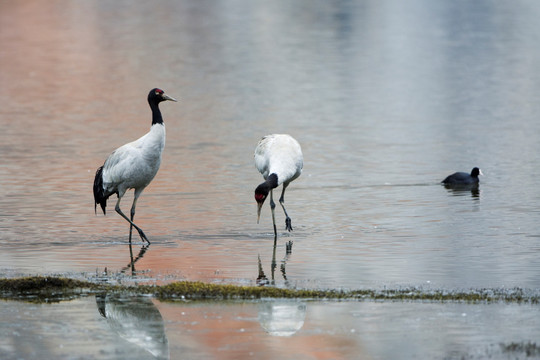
<point x="462" y="178"/>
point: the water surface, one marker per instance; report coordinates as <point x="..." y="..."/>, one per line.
<point x="112" y="327"/>
<point x="386" y="98"/>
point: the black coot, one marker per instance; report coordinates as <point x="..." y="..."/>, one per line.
<point x="462" y="178"/>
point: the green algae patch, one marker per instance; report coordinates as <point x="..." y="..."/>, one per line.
<point x="38" y="283"/>
<point x="44" y="288"/>
<point x="53" y="289"/>
<point x="514" y="295"/>
<point x="200" y="290"/>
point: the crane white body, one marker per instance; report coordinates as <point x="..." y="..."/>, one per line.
<point x="135" y="164"/>
<point x="279" y="154"/>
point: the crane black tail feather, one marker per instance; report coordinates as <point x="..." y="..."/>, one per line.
<point x="99" y="193"/>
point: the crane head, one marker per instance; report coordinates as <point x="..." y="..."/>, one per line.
<point x="260" y="196"/>
<point x="158" y="95"/>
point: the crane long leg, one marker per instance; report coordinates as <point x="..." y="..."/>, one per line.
<point x="288" y="225"/>
<point x="119" y="211"/>
<point x="272" y="207"/>
<point x="135" y="198"/>
<point x="132" y="216"/>
<point x="274" y="265"/>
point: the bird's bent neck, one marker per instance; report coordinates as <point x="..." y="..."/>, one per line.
<point x="265" y="187"/>
<point x="271" y="181"/>
<point x="156" y="113"/>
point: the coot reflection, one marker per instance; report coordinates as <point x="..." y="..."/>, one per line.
<point x="464" y="189"/>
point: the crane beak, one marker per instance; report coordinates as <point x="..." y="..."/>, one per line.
<point x="167" y="97"/>
<point x="259" y="206"/>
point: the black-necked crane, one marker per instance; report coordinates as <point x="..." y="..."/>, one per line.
<point x="133" y="165"/>
<point x="279" y="159"/>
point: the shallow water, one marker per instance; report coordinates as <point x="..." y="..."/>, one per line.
<point x="386" y="99"/>
<point x="111" y="327"/>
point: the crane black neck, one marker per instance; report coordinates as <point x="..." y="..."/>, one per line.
<point x="156" y="113"/>
<point x="265" y="187"/>
<point x="271" y="181"/>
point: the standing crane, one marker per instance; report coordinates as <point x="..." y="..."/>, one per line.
<point x="133" y="165"/>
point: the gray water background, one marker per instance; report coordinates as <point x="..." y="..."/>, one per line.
<point x="386" y="98"/>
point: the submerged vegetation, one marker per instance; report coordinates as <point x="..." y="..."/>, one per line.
<point x="44" y="288"/>
<point x="530" y="349"/>
<point x="50" y="289"/>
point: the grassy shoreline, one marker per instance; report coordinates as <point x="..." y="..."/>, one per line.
<point x="51" y="289"/>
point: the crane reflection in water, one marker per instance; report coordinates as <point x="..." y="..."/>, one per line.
<point x="137" y="320"/>
<point x="279" y="317"/>
<point x="262" y="279"/>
